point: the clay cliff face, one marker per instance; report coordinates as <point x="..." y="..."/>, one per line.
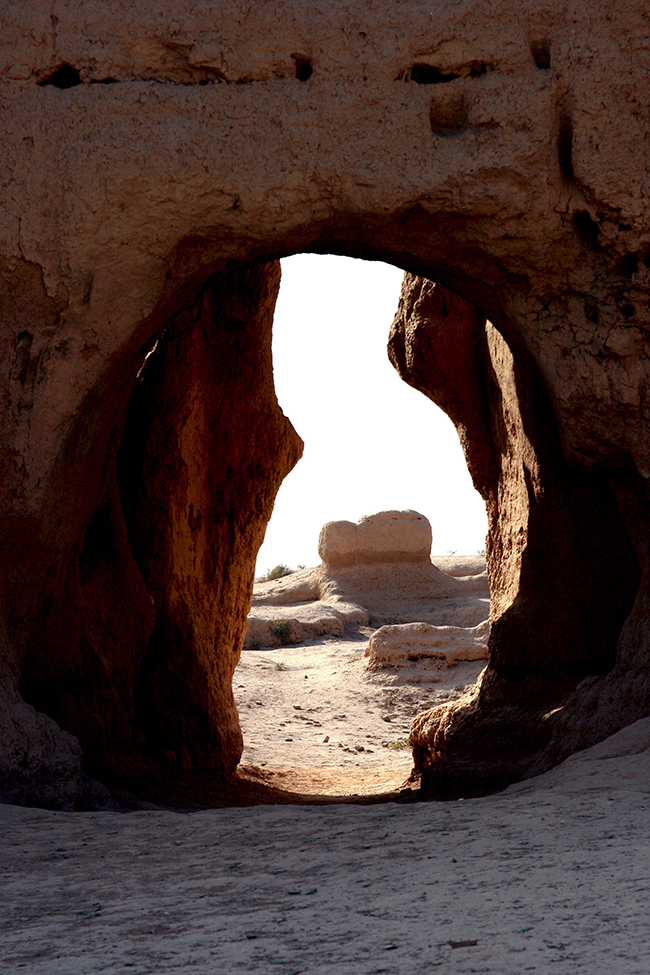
<point x="563" y="569"/>
<point x="153" y="155"/>
<point x="132" y="636"/>
<point x="205" y="449"/>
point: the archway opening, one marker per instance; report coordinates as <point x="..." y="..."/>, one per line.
<point x="315" y="714"/>
<point x="204" y="451"/>
<point x="372" y="443"/>
<point x="144" y="621"/>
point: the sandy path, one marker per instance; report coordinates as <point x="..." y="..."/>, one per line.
<point x="551" y="876"/>
<point x="316" y="706"/>
<point x="554" y="880"/>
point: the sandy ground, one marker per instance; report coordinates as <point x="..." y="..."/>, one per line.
<point x="555" y="880"/>
<point x="309" y="713"/>
<point x="551" y="876"/>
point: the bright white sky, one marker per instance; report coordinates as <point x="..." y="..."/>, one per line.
<point x="371" y="442"/>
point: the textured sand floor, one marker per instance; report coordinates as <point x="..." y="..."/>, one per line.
<point x="316" y="707"/>
<point x="549" y="881"/>
<point x="551" y="876"/>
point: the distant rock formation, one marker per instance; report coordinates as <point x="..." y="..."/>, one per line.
<point x="387" y="536"/>
<point x="383" y="563"/>
<point x="376" y="570"/>
<point x="404" y="644"/>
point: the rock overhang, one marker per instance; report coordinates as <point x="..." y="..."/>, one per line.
<point x="165" y="179"/>
<point x="499" y="149"/>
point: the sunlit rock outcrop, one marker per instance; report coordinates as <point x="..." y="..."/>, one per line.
<point x="376" y="570"/>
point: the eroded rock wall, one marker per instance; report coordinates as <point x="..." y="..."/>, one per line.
<point x="205" y="450"/>
<point x="498" y="148"/>
<point x="131" y="634"/>
<point x="563" y="568"/>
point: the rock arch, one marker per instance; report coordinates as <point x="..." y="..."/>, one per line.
<point x="156" y="163"/>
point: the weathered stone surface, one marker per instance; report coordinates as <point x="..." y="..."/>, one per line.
<point x="397" y="646"/>
<point x="39" y="763"/>
<point x="301" y="586"/>
<point x="279" y="626"/>
<point x="387" y="536"/>
<point x="563" y="570"/>
<point x="383" y="564"/>
<point x="614" y="762"/>
<point x="498" y="148"/>
<point x="460" y="565"/>
<point x="205" y="449"/>
<point x="202" y="451"/>
<point x="377" y="570"/>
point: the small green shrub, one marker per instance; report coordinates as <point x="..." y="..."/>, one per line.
<point x="398" y="743"/>
<point x="280" y="665"/>
<point x="481" y="551"/>
<point x="277" y="572"/>
<point x="281" y="629"/>
<point x="255" y="643"/>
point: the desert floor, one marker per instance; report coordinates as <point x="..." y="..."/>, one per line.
<point x="550" y="876"/>
<point x="315" y="720"/>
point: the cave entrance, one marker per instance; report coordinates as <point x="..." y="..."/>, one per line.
<point x="204" y="451"/>
<point x="139" y="631"/>
<point x="314" y="717"/>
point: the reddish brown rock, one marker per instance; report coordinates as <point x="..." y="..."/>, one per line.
<point x="134" y="640"/>
<point x="205" y="450"/>
<point x="149" y="156"/>
<point x="562" y="566"/>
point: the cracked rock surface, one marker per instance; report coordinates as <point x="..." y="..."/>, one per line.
<point x="156" y="160"/>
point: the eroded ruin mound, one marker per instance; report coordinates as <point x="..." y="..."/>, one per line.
<point x="376" y="570"/>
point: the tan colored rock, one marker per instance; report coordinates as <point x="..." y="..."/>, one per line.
<point x="279" y="626"/>
<point x="290" y="609"/>
<point x="460" y="566"/>
<point x="401" y="593"/>
<point x="388" y="536"/>
<point x="398" y="646"/>
<point x="375" y="570"/>
<point x="383" y="564"/>
<point x="301" y="586"/>
<point x="312" y="602"/>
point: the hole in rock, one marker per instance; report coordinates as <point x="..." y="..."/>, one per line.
<point x="587" y="228"/>
<point x="315" y="716"/>
<point x="541" y="52"/>
<point x="304" y="68"/>
<point x="428" y="74"/>
<point x="64" y="77"/>
<point x="629" y="265"/>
